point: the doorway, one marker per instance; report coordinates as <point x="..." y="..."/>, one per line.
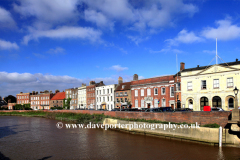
<point x="148" y="105"/>
<point x="203" y="102"/>
<point x="217" y="102"/>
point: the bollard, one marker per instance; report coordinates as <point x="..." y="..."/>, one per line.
<point x="220" y="136"/>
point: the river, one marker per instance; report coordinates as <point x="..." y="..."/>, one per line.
<point x="39" y="138"/>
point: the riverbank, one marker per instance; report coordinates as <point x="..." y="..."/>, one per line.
<point x="199" y="135"/>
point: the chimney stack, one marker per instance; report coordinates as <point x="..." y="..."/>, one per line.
<point x="83" y="84"/>
<point x="9" y="101"/>
<point x="135" y="77"/>
<point x="36" y="92"/>
<point x="33" y="92"/>
<point x="236" y="60"/>
<point x="120" y="80"/>
<point x="56" y="91"/>
<point x="182" y="66"/>
<point x="50" y="91"/>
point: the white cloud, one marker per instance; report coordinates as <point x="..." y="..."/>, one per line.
<point x="39" y="55"/>
<point x="13" y="83"/>
<point x="137" y="39"/>
<point x="6" y="19"/>
<point x="64" y="32"/>
<point x="48" y="12"/>
<point x="5" y="45"/>
<point x="56" y="50"/>
<point x="153" y="13"/>
<point x="225" y="31"/>
<point x="118" y="68"/>
<point x="184" y="37"/>
<point x="166" y="50"/>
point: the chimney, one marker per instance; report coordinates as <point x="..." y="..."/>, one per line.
<point x="91" y="83"/>
<point x="56" y="91"/>
<point x="101" y="82"/>
<point x="120" y="80"/>
<point x="21" y="92"/>
<point x="83" y="84"/>
<point x="197" y="66"/>
<point x="135" y="77"/>
<point x="9" y="101"/>
<point x="236" y="60"/>
<point x="33" y="92"/>
<point x="182" y="66"/>
<point x="46" y="91"/>
<point x="36" y="92"/>
<point x="50" y="92"/>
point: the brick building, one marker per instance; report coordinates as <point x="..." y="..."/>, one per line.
<point x="41" y="100"/>
<point x="153" y="92"/>
<point x="57" y="100"/>
<point x="73" y="94"/>
<point x="123" y="94"/>
<point x="23" y="98"/>
<point x="90" y="92"/>
<point x="177" y="86"/>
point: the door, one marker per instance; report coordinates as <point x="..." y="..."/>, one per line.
<point x="148" y="105"/>
<point x="172" y="105"/>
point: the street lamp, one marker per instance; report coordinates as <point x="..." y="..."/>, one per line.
<point x="235" y="91"/>
<point x="235" y="112"/>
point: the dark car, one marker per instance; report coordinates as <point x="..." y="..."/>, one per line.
<point x="217" y="109"/>
<point x="153" y="110"/>
<point x="183" y="109"/>
<point x="115" y="109"/>
<point x="166" y="109"/>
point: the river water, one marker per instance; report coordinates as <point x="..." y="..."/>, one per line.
<point x="39" y="138"/>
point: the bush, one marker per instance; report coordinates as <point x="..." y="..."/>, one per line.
<point x="215" y="125"/>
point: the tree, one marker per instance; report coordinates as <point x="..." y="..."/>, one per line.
<point x="12" y="98"/>
<point x="66" y="104"/>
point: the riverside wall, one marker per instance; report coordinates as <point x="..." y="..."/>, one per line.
<point x="202" y="134"/>
<point x="201" y="118"/>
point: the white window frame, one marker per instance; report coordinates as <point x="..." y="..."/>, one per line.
<point x="189" y="86"/>
<point x="136" y="103"/>
<point x="142" y="92"/>
<point x="202" y="84"/>
<point x="155" y="103"/>
<point x="142" y="103"/>
<point x="228" y="82"/>
<point x="164" y="90"/>
<point x="171" y="93"/>
<point x="136" y="93"/>
<point x="149" y="92"/>
<point x="216" y="85"/>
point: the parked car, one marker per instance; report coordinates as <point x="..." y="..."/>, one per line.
<point x="166" y="109"/>
<point x="153" y="110"/>
<point x="183" y="109"/>
<point x="216" y="109"/>
<point x="101" y="109"/>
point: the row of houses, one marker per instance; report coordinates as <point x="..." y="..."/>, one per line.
<point x="190" y="88"/>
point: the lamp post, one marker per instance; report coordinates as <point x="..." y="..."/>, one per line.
<point x="235" y="111"/>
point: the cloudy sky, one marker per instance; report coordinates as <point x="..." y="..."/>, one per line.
<point x="59" y="44"/>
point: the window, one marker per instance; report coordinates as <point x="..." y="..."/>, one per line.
<point x="121" y="100"/>
<point x="136" y="93"/>
<point x="103" y="91"/>
<point x="177" y="86"/>
<point x="97" y="92"/>
<point x="120" y="93"/>
<point x="99" y="99"/>
<point x="155" y="91"/>
<point x="111" y="98"/>
<point x="142" y="103"/>
<point x="163" y="90"/>
<point x="125" y="99"/>
<point x="142" y="92"/>
<point x="204" y="84"/>
<point x="189" y="85"/>
<point x="103" y="99"/>
<point x="108" y="98"/>
<point x="216" y="83"/>
<point x="136" y="103"/>
<point x="116" y="94"/>
<point x="111" y="90"/>
<point x="125" y="93"/>
<point x="155" y="102"/>
<point x="107" y="90"/>
<point x="230" y="82"/>
<point x="149" y="92"/>
<point x="163" y="103"/>
<point x="123" y="86"/>
<point x="172" y="92"/>
<point x="117" y="100"/>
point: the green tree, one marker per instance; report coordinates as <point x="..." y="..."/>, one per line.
<point x="12" y="98"/>
<point x="66" y="104"/>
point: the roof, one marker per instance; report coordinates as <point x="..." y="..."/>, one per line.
<point x="162" y="79"/>
<point x="204" y="67"/>
<point x="127" y="86"/>
<point x="59" y="96"/>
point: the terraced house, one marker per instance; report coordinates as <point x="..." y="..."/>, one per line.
<point x="23" y="98"/>
<point x="210" y="86"/>
<point x="73" y="94"/>
<point x="82" y="96"/>
<point x="153" y="92"/>
<point x="123" y="94"/>
<point x="91" y="95"/>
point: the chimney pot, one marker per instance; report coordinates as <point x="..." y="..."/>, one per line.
<point x="182" y="66"/>
<point x="135" y="77"/>
<point x="236" y="60"/>
<point x="120" y="80"/>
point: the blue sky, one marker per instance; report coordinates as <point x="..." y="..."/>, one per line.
<point x="59" y="44"/>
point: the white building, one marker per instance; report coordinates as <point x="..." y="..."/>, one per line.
<point x="105" y="97"/>
<point x="82" y="98"/>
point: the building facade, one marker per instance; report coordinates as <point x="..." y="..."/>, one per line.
<point x="73" y="94"/>
<point x="210" y="86"/>
<point x="91" y="95"/>
<point x="41" y="100"/>
<point x="82" y="98"/>
<point x="153" y="92"/>
<point x="57" y="100"/>
<point x="23" y="98"/>
<point x="123" y="94"/>
<point x="105" y="97"/>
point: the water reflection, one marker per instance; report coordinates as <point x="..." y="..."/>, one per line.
<point x="38" y="138"/>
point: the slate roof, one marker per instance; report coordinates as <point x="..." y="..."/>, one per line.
<point x="59" y="96"/>
<point x="127" y="86"/>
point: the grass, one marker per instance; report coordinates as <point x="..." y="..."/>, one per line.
<point x="86" y="118"/>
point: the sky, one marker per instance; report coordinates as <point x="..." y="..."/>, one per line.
<point x="60" y="44"/>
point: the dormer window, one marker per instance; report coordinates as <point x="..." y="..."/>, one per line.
<point x="123" y="86"/>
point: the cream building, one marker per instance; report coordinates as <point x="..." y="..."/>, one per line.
<point x="210" y="86"/>
<point x="105" y="97"/>
<point x="82" y="98"/>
